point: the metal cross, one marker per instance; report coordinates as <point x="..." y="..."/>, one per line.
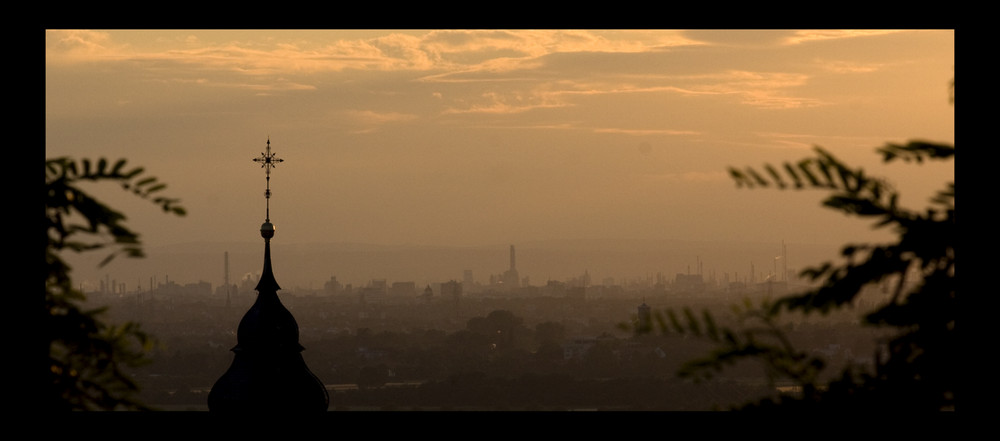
<point x="267" y="161"/>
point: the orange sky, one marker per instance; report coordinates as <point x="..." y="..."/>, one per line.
<point x="473" y="137"/>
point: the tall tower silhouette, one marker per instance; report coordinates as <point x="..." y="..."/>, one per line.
<point x="513" y="267"/>
<point x="228" y="300"/>
<point x="268" y="372"/>
<point x="511" y="279"/>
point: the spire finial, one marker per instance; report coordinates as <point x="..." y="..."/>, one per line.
<point x="267" y="161"/>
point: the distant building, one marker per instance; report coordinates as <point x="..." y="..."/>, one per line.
<point x="379" y="285"/>
<point x="689" y="283"/>
<point x="332" y="286"/>
<point x="224" y="291"/>
<point x="645" y="318"/>
<point x="451" y="290"/>
<point x="403" y="289"/>
<point x="554" y="288"/>
<point x="510" y="278"/>
<point x="375" y="293"/>
<point x="201" y="288"/>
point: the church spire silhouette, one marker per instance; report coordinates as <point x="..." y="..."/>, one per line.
<point x="268" y="372"/>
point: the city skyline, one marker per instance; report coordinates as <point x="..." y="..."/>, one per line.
<point x="472" y="138"/>
<point x="306" y="268"/>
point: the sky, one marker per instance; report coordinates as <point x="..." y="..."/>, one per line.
<point x="479" y="137"/>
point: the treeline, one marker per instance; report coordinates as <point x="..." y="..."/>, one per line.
<point x="496" y="362"/>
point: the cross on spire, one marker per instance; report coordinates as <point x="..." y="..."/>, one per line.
<point x="267" y="161"/>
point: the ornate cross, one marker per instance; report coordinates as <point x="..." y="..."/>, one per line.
<point x="268" y="160"/>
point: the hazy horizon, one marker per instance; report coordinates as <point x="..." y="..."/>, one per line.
<point x="473" y="138"/>
<point x="306" y="266"/>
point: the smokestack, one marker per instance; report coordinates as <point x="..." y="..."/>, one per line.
<point x="228" y="301"/>
<point x="512" y="267"/>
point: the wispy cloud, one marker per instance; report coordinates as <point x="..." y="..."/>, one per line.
<point x="691" y="176"/>
<point x="850" y="67"/>
<point x="373" y="117"/>
<point x="263" y="87"/>
<point x="808" y="36"/>
<point x="447" y="51"/>
<point x="370" y="121"/>
<point x="645" y="131"/>
<point x="72" y="46"/>
<point x="809" y="140"/>
<point x="760" y="89"/>
<point x="506" y="103"/>
<point x="447" y="56"/>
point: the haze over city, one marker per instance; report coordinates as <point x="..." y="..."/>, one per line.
<point x="482" y="139"/>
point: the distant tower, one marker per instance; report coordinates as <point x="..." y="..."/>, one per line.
<point x="428" y="294"/>
<point x="511" y="279"/>
<point x="268" y="372"/>
<point x="645" y="323"/>
<point x="227" y="279"/>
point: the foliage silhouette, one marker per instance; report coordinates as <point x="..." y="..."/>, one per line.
<point x="914" y="368"/>
<point x="86" y="355"/>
